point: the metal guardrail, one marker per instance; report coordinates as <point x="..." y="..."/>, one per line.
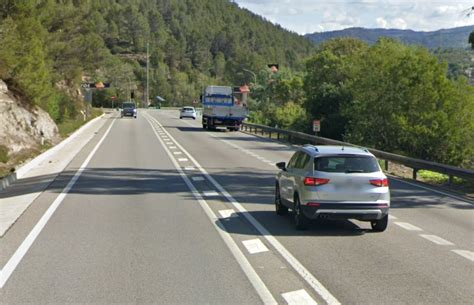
<point x="415" y="164"/>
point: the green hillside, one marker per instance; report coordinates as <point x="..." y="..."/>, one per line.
<point x="46" y="44"/>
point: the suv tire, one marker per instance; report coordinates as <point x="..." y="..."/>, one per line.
<point x="379" y="225"/>
<point x="279" y="208"/>
<point x="301" y="222"/>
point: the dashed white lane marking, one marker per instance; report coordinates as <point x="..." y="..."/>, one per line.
<point x="437" y="240"/>
<point x="251" y="274"/>
<point x="210" y="193"/>
<point x="16" y="258"/>
<point x="298" y="297"/>
<point x="408" y="226"/>
<point x="172" y="147"/>
<point x="255" y="246"/>
<point x="177" y="153"/>
<point x="287" y="256"/>
<point x="198" y="178"/>
<point x="169" y="143"/>
<point x="392" y="217"/>
<point x="189" y="168"/>
<point x="183" y="159"/>
<point x="228" y="213"/>
<point x="466" y="254"/>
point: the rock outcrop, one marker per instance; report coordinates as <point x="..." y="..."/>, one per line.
<point x="22" y="129"/>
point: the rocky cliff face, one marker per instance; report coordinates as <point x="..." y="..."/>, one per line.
<point x="21" y="129"/>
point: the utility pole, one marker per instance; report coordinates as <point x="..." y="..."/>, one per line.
<point x="147" y="75"/>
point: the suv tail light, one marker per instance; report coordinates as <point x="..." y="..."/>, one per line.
<point x="379" y="182"/>
<point x="311" y="181"/>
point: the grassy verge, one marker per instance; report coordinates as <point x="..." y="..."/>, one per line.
<point x="70" y="125"/>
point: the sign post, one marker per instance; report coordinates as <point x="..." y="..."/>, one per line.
<point x="316" y="126"/>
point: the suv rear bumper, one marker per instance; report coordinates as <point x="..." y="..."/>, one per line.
<point x="360" y="211"/>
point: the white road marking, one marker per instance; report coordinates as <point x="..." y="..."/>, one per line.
<point x="177" y="153"/>
<point x="298" y="297"/>
<point x="255" y="246"/>
<point x="183" y="159"/>
<point x="466" y="254"/>
<point x="169" y="143"/>
<point x="228" y="213"/>
<point x="251" y="274"/>
<point x="392" y="217"/>
<point x="210" y="193"/>
<point x="16" y="258"/>
<point x="198" y="178"/>
<point x="437" y="240"/>
<point x="172" y="147"/>
<point x="408" y="226"/>
<point x="189" y="168"/>
<point x="287" y="256"/>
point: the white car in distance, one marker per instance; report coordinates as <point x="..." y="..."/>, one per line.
<point x="187" y="112"/>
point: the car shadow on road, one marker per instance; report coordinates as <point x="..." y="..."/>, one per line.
<point x="284" y="225"/>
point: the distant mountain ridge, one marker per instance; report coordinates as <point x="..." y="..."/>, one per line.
<point x="445" y="38"/>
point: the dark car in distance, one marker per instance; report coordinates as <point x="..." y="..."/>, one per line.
<point x="129" y="109"/>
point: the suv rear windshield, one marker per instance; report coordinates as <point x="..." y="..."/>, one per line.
<point x="128" y="105"/>
<point x="346" y="164"/>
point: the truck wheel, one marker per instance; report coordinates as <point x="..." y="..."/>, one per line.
<point x="204" y="126"/>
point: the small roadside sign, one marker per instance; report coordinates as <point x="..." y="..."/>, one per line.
<point x="316" y="125"/>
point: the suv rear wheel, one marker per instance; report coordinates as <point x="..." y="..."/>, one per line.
<point x="301" y="222"/>
<point x="379" y="225"/>
<point x="279" y="208"/>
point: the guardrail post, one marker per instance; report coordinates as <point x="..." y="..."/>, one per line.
<point x="270" y="134"/>
<point x="450" y="180"/>
<point x="415" y="171"/>
<point x="386" y="165"/>
<point x="278" y="136"/>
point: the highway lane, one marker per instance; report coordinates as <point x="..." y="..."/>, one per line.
<point x="145" y="224"/>
<point x="412" y="262"/>
<point x="128" y="231"/>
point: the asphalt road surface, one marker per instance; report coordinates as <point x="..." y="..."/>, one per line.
<point x="157" y="210"/>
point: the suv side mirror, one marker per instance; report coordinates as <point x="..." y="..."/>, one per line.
<point x="281" y="165"/>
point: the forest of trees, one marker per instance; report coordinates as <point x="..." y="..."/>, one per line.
<point x="192" y="43"/>
<point x="388" y="95"/>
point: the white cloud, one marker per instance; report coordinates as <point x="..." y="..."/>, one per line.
<point x="305" y="16"/>
<point x="399" y="23"/>
<point x="381" y="22"/>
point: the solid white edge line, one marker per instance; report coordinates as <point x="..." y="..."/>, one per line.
<point x="297" y="266"/>
<point x="251" y="274"/>
<point x="22" y="171"/>
<point x="16" y="258"/>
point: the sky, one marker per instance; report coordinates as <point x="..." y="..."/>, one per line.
<point x="309" y="16"/>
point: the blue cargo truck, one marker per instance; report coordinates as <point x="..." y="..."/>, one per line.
<point x="224" y="107"/>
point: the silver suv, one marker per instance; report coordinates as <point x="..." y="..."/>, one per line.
<point x="333" y="182"/>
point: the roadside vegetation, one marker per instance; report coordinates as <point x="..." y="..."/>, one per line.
<point x="390" y="96"/>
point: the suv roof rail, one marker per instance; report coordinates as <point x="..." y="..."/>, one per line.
<point x="311" y="146"/>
